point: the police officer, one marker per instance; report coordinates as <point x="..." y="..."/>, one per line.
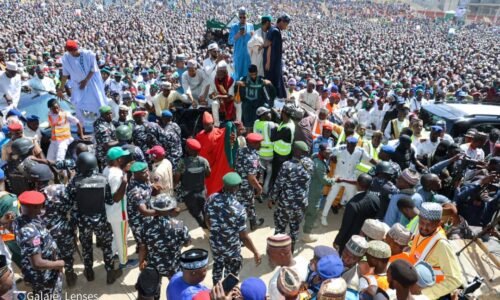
<point x="124" y="136"/>
<point x="282" y="139"/>
<point x="264" y="126"/>
<point x="138" y="199"/>
<point x="290" y="191"/>
<point x="171" y="142"/>
<point x="56" y="217"/>
<point x="382" y="186"/>
<point x="247" y="166"/>
<point x="41" y="265"/>
<point x="104" y="131"/>
<point x="226" y="219"/>
<point x="145" y="134"/>
<point x="191" y="173"/>
<point x="167" y="123"/>
<point x="19" y="166"/>
<point x="163" y="238"/>
<point x="88" y="192"/>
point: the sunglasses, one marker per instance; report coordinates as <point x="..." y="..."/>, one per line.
<point x="243" y="17"/>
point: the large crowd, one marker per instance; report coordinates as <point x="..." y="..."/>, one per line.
<point x="314" y="107"/>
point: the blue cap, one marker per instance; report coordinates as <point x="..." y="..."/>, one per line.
<point x="144" y="72"/>
<point x="325" y="89"/>
<point x="462" y="94"/>
<point x="436" y="128"/>
<point x="253" y="289"/>
<point x="167" y="114"/>
<point x="32" y="118"/>
<point x="140" y="97"/>
<point x="352" y="140"/>
<point x="330" y="266"/>
<point x="15" y="112"/>
<point x="334" y="88"/>
<point x="387" y="149"/>
<point x="322" y="251"/>
<point x="2" y="174"/>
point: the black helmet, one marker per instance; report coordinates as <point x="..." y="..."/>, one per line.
<point x="384" y="167"/>
<point x="22" y="146"/>
<point x="123" y="133"/>
<point x="86" y="163"/>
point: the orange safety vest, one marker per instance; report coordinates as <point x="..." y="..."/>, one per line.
<point x="378" y="280"/>
<point x="421" y="251"/>
<point x="61" y="129"/>
<point x="318" y="128"/>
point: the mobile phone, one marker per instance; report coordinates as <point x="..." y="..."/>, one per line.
<point x="229" y="283"/>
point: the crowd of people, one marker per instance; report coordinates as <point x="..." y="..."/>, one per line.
<point x="312" y="107"/>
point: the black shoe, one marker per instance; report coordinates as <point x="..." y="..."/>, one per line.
<point x="98" y="243"/>
<point x="71" y="278"/>
<point x="89" y="274"/>
<point x="112" y="275"/>
<point x="335" y="210"/>
<point x="260" y="199"/>
<point x="254" y="224"/>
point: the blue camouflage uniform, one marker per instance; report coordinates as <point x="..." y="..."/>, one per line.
<point x="164" y="237"/>
<point x="104" y="133"/>
<point x="137" y="193"/>
<point x="92" y="224"/>
<point x="247" y="163"/>
<point x="146" y="135"/>
<point x="171" y="142"/>
<point x="290" y="192"/>
<point x="56" y="210"/>
<point x="227" y="219"/>
<point x="33" y="238"/>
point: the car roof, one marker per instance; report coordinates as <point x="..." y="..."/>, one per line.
<point x="459" y="110"/>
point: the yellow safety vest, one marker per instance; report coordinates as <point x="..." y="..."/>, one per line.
<point x="266" y="146"/>
<point x="61" y="129"/>
<point x="281" y="147"/>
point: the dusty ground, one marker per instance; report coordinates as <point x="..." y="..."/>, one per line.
<point x="473" y="261"/>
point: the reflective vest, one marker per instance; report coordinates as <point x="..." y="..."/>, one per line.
<point x="365" y="167"/>
<point x="318" y="128"/>
<point x="281" y="147"/>
<point x="60" y="128"/>
<point x="266" y="146"/>
<point x="378" y="280"/>
<point x="422" y="250"/>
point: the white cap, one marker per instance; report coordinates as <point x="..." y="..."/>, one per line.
<point x="11" y="66"/>
<point x="213" y="46"/>
<point x="222" y="65"/>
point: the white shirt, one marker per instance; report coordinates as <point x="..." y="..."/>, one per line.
<point x="301" y="267"/>
<point x="162" y="175"/>
<point x="364" y="117"/>
<point x="426" y="148"/>
<point x="34" y="135"/>
<point x="313" y="100"/>
<point x="11" y="87"/>
<point x="117" y="87"/>
<point x="195" y="86"/>
<point x="42" y="86"/>
<point x="114" y="176"/>
<point x="417" y="105"/>
<point x="209" y="66"/>
<point x="377" y="117"/>
<point x="475" y="154"/>
<point x="346" y="162"/>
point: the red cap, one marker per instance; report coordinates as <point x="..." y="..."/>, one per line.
<point x="254" y="138"/>
<point x="203" y="295"/>
<point x="328" y="126"/>
<point x="140" y="113"/>
<point x="71" y="45"/>
<point x="14" y="126"/>
<point x="31" y="198"/>
<point x="193" y="144"/>
<point x="335" y="96"/>
<point x="156" y="151"/>
<point x="207" y="118"/>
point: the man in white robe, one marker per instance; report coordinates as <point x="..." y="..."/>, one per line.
<point x="85" y="81"/>
<point x="256" y="44"/>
